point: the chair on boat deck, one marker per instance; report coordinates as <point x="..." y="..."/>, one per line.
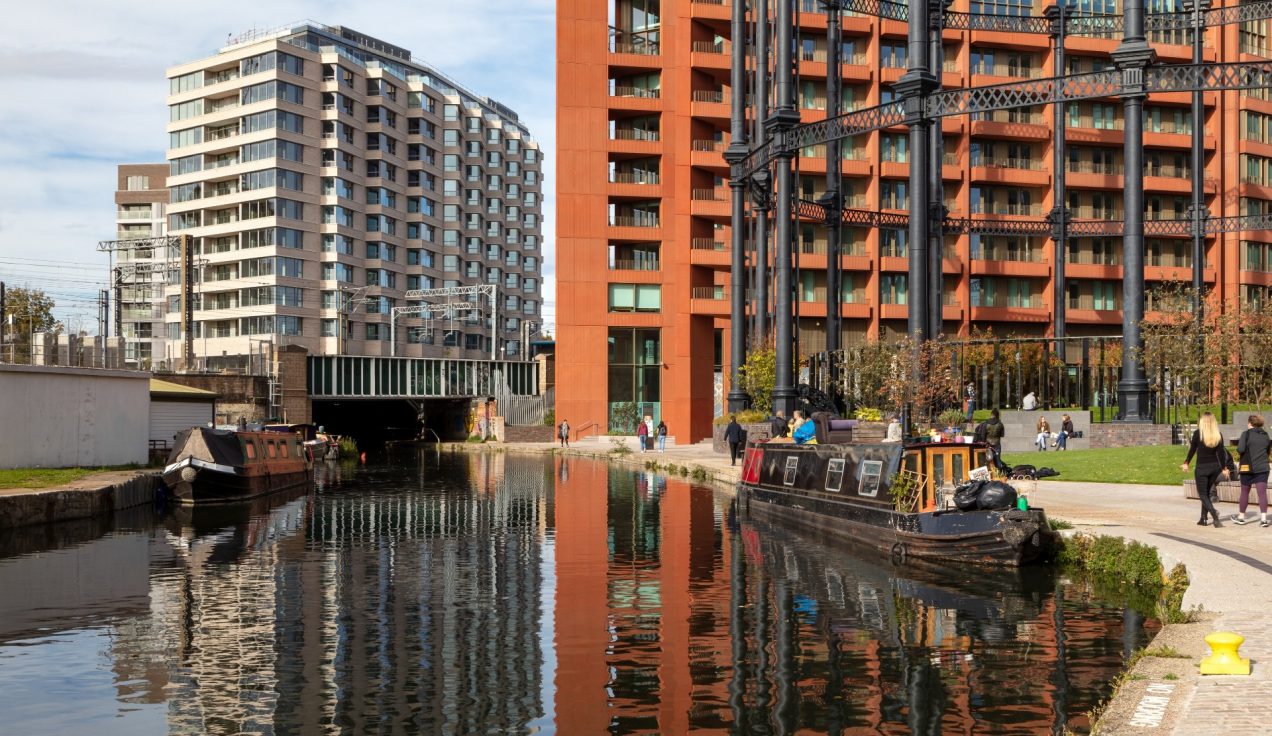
<point x="832" y="430"/>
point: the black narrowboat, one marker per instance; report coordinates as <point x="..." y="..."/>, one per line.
<point x="893" y="497"/>
<point x="214" y="465"/>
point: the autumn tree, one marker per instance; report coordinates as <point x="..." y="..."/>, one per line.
<point x="25" y="311"/>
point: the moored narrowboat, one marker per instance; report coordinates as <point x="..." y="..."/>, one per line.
<point x="214" y="465"/>
<point x="895" y="497"/>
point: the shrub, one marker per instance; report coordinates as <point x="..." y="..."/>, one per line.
<point x="549" y="418"/>
<point x="951" y="418"/>
<point x="348" y="447"/>
<point x="867" y="414"/>
<point x="746" y="416"/>
<point x="620" y="448"/>
<point x="759" y="374"/>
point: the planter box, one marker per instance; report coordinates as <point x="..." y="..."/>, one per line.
<point x="760" y="431"/>
<point x="1229" y="490"/>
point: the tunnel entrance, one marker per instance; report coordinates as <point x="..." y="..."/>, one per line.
<point x="373" y="422"/>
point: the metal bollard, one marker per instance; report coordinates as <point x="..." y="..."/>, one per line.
<point x="1224" y="658"/>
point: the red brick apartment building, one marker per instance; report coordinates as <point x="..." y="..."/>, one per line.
<point x="643" y="211"/>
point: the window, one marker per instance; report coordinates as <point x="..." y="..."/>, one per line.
<point x="137" y="183"/>
<point x="272" y="60"/>
<point x="185" y="82"/>
<point x="284" y="91"/>
<point x="185" y="165"/>
<point x="184" y="110"/>
<point x="792" y="466"/>
<point x="634" y="374"/>
<point x="869" y="474"/>
<point x="635" y="297"/>
<point x="835" y="474"/>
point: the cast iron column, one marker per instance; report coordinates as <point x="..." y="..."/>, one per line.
<point x="1197" y="211"/>
<point x="1132" y="56"/>
<point x="784" y="117"/>
<point x="735" y="154"/>
<point x="913" y="87"/>
<point x="936" y="189"/>
<point x="761" y="194"/>
<point x="1059" y="215"/>
<point x="833" y="199"/>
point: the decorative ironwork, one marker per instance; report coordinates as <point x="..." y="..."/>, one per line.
<point x="1205" y="77"/>
<point x="1077" y="24"/>
<point x="1087" y="86"/>
<point x="845" y="126"/>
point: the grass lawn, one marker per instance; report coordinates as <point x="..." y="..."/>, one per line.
<point x="46" y="477"/>
<point x="1154" y="465"/>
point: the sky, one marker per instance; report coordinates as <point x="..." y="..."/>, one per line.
<point x="84" y="90"/>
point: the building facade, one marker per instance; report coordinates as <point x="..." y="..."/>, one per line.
<point x="645" y="218"/>
<point x="137" y="282"/>
<point x="324" y="175"/>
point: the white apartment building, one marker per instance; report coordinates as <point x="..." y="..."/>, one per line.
<point x="138" y="279"/>
<point x="323" y="175"/>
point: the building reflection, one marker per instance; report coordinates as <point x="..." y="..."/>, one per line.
<point x="680" y="617"/>
<point x="498" y="593"/>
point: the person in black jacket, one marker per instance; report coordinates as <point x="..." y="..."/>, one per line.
<point x="1213" y="460"/>
<point x="778" y="425"/>
<point x="1252" y="451"/>
<point x="733" y="435"/>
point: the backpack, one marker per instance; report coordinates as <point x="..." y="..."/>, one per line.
<point x="980" y="435"/>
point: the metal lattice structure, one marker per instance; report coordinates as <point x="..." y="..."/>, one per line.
<point x="763" y="165"/>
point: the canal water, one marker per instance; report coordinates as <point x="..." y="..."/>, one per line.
<point x="499" y="593"/>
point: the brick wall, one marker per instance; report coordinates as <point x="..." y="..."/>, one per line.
<point x="535" y="433"/>
<point x="1115" y="434"/>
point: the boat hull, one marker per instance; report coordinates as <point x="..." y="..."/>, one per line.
<point x="188" y="483"/>
<point x="1000" y="538"/>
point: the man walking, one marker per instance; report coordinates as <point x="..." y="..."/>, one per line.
<point x="969" y="394"/>
<point x="733" y="435"/>
<point x="563" y="431"/>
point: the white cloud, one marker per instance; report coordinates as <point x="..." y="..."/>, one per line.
<point x="93" y="89"/>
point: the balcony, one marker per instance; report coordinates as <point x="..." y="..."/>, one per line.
<point x="217" y="134"/>
<point x="635" y="44"/>
<point x="1015" y="71"/>
<point x="1088" y="301"/>
<point x="633" y="221"/>
<point x="998" y="208"/>
<point x="1033" y="301"/>
<point x="135" y="215"/>
<point x="1088" y="212"/>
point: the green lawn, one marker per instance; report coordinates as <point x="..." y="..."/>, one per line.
<point x="1154" y="465"/>
<point x="46" y="477"/>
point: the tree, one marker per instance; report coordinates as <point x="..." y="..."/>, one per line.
<point x="759" y="375"/>
<point x="27" y="310"/>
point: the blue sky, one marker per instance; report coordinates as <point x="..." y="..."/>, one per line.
<point x="88" y="80"/>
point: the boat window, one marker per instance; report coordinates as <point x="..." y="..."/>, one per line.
<point x="868" y="479"/>
<point x="957" y="471"/>
<point x="938" y="470"/>
<point x="980" y="458"/>
<point x="271" y="450"/>
<point x="250" y="449"/>
<point x="835" y="474"/>
<point x="792" y="463"/>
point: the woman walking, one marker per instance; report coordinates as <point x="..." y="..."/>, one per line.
<point x="662" y="435"/>
<point x="1212" y="461"/>
<point x="1252" y="451"/>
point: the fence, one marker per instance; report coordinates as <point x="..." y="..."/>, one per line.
<point x="526" y="411"/>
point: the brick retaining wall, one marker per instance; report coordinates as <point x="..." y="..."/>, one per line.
<point x="532" y="433"/>
<point x="1115" y="434"/>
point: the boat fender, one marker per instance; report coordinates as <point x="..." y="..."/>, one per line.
<point x="188" y="474"/>
<point x="898" y="553"/>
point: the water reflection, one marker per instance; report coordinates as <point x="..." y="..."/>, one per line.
<point x="503" y="593"/>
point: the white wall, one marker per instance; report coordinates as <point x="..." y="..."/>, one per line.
<point x="63" y="417"/>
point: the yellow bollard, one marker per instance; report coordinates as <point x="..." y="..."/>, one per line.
<point x="1224" y="659"/>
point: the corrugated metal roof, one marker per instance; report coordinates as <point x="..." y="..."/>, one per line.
<point x="167" y="388"/>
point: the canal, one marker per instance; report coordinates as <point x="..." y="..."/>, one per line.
<point x="504" y="593"/>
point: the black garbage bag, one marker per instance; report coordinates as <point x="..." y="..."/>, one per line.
<point x="966" y="495"/>
<point x="1046" y="473"/>
<point x="996" y="495"/>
